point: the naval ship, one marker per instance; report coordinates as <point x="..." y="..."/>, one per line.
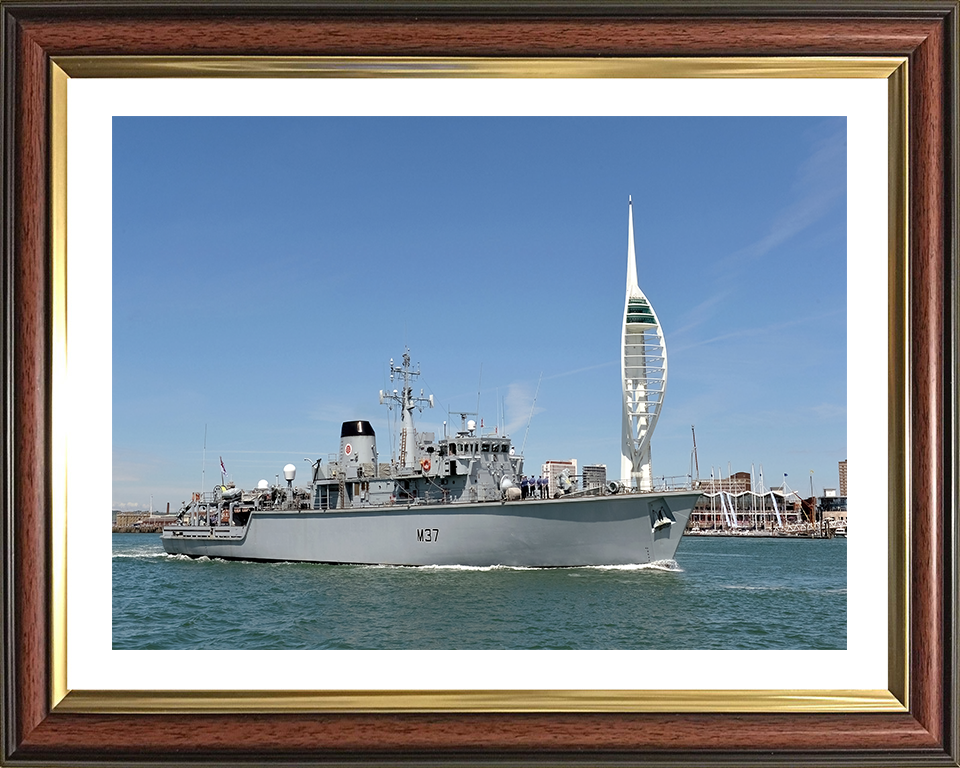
<point x="457" y="500"/>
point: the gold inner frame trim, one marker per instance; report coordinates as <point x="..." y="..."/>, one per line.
<point x="893" y="69"/>
<point x="235" y="702"/>
<point x="898" y="415"/>
<point x="58" y="366"/>
<point x="306" y="66"/>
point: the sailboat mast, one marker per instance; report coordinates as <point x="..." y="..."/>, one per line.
<point x="696" y="461"/>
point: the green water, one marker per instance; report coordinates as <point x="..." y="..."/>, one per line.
<point x="724" y="593"/>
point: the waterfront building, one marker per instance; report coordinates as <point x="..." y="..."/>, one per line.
<point x="732" y="503"/>
<point x="747" y="510"/>
<point x="643" y="368"/>
<point x="833" y="507"/>
<point x="843" y="478"/>
<point x="141" y="521"/>
<point x="554" y="470"/>
<point x="738" y="482"/>
<point x="129" y="519"/>
<point x="594" y="475"/>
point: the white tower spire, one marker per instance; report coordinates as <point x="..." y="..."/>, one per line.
<point x="631" y="252"/>
<point x="643" y="368"/>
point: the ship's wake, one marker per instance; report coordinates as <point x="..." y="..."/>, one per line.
<point x="670" y="566"/>
<point x="144" y="555"/>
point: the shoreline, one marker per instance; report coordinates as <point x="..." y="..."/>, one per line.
<point x="137" y="529"/>
<point x="764" y="535"/>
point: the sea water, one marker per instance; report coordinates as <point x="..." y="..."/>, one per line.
<point x="721" y="593"/>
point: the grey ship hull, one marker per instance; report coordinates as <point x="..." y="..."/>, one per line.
<point x="617" y="529"/>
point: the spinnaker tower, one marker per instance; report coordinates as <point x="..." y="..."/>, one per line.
<point x="644" y="372"/>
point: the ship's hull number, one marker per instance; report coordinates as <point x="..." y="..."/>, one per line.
<point x="427" y="534"/>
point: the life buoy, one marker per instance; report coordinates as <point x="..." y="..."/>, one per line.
<point x="425" y="465"/>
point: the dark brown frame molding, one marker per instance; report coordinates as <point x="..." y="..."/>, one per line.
<point x="35" y="32"/>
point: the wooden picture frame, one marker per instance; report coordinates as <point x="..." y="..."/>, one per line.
<point x="40" y="727"/>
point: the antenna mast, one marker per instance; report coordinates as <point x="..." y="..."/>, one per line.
<point x="479" y="389"/>
<point x="532" y="406"/>
<point x="407" y="402"/>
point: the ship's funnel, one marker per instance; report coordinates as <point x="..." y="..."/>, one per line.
<point x="358" y="449"/>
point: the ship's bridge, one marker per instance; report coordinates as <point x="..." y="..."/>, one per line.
<point x="472" y="445"/>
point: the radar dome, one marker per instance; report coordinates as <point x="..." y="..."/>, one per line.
<point x="263" y="485"/>
<point x="289" y="472"/>
<point x="471" y="425"/>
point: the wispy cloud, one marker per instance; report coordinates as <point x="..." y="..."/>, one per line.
<point x="759" y="331"/>
<point x="580" y="370"/>
<point x="230" y="452"/>
<point x="328" y="412"/>
<point x="816" y="189"/>
<point x="814" y="192"/>
<point x="519" y="404"/>
<point x="700" y="314"/>
<point x="829" y="412"/>
<point x="133" y="470"/>
<point x="519" y="407"/>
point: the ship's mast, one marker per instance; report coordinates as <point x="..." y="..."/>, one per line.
<point x="406" y="400"/>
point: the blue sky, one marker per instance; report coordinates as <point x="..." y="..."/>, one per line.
<point x="265" y="270"/>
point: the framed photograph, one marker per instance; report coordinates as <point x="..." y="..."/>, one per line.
<point x="175" y="712"/>
<point x="155" y="596"/>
